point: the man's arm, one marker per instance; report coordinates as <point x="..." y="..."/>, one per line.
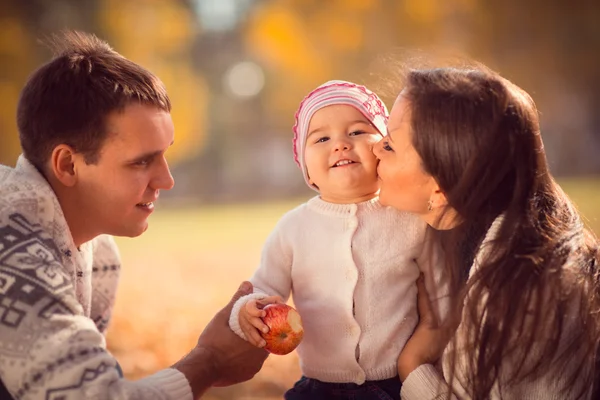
<point x="48" y="348"/>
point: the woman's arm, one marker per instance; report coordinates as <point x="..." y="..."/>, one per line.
<point x="426" y="343"/>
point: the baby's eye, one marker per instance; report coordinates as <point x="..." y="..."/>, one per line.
<point x="354" y="133"/>
<point x="322" y="140"/>
<point x="386" y="146"/>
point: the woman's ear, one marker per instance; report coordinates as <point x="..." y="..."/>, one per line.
<point x="442" y="215"/>
<point x="438" y="199"/>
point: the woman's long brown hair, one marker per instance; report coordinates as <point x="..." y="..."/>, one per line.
<point x="531" y="307"/>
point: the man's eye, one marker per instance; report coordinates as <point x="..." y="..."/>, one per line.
<point x="142" y="163"/>
<point x="387" y="147"/>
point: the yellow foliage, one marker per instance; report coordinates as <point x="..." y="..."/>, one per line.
<point x="344" y="33"/>
<point x="357" y="5"/>
<point x="9" y="143"/>
<point x="14" y="39"/>
<point x="277" y="36"/>
<point x="15" y="45"/>
<point x="157" y="26"/>
<point x="158" y="34"/>
<point x="294" y="52"/>
<point x="425" y="11"/>
<point x="189" y="96"/>
<point x="467" y="5"/>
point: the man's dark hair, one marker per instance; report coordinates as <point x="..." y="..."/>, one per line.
<point x="67" y="100"/>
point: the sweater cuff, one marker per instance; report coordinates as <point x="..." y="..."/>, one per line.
<point x="423" y="383"/>
<point x="234" y="318"/>
<point x="172" y="382"/>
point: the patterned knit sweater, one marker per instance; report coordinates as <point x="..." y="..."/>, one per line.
<point x="56" y="302"/>
<point x="352" y="269"/>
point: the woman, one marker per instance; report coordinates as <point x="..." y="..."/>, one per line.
<point x="464" y="152"/>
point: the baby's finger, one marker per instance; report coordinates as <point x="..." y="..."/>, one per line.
<point x="253" y="310"/>
<point x="256" y="340"/>
<point x="258" y="324"/>
<point x="252" y="334"/>
<point x="268" y="300"/>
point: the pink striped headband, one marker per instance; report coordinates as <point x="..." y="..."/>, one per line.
<point x="330" y="93"/>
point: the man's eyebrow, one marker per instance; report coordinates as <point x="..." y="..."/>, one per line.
<point x="149" y="155"/>
<point x="146" y="156"/>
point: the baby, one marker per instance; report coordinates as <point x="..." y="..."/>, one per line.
<point x="350" y="263"/>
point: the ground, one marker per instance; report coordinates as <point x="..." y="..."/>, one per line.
<point x="187" y="265"/>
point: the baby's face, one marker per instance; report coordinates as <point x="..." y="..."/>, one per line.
<point x="339" y="154"/>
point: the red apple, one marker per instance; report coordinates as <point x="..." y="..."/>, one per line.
<point x="285" y="328"/>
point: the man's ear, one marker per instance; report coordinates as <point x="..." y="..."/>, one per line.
<point x="62" y="164"/>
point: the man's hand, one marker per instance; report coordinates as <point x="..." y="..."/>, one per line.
<point x="221" y="358"/>
<point x="235" y="359"/>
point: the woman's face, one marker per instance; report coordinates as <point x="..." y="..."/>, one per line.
<point x="404" y="183"/>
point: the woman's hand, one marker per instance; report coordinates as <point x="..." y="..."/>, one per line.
<point x="429" y="339"/>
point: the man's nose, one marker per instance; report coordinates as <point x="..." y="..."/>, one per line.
<point x="164" y="179"/>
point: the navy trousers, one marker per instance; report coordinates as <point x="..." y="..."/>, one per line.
<point x="313" y="389"/>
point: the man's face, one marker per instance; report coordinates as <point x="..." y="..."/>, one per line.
<point x="116" y="195"/>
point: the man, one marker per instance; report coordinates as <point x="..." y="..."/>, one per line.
<point x="94" y="128"/>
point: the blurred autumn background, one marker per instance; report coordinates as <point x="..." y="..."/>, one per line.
<point x="236" y="71"/>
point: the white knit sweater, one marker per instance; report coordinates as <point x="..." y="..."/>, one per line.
<point x="352" y="270"/>
<point x="56" y="301"/>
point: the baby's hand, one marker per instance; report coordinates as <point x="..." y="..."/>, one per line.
<point x="251" y="322"/>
